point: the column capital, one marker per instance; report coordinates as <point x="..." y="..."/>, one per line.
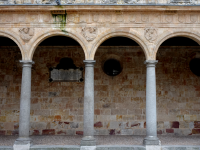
<point x="27" y="63"/>
<point x="89" y="63"/>
<point x="150" y="63"/>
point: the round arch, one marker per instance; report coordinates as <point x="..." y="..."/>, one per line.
<point x="57" y="33"/>
<point x="165" y="36"/>
<point x="135" y="37"/>
<point x="15" y="38"/>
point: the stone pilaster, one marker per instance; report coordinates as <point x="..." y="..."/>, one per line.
<point x="88" y="130"/>
<point x="24" y="141"/>
<point x="151" y="116"/>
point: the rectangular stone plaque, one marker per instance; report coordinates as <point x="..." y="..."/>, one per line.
<point x="71" y="75"/>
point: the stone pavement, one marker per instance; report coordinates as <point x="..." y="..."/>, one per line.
<point x="104" y="140"/>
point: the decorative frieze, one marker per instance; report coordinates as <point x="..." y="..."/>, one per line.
<point x="102" y="18"/>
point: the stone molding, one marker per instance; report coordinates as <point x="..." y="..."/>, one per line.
<point x="99" y="2"/>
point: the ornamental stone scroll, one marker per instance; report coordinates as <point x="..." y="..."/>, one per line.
<point x="26" y="34"/>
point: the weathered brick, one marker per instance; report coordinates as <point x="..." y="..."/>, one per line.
<point x="175" y="124"/>
<point x="196" y="124"/>
<point x="169" y="130"/>
<point x="112" y="132"/>
<point x="79" y="132"/>
<point x="98" y="124"/>
<point x="48" y="132"/>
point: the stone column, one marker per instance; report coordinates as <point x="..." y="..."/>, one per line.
<point x="88" y="131"/>
<point x="25" y="100"/>
<point x="151" y="117"/>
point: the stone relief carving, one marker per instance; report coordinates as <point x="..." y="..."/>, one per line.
<point x="145" y="18"/>
<point x="181" y="18"/>
<point x="131" y="1"/>
<point x="89" y="33"/>
<point x="150" y="34"/>
<point x="193" y="18"/>
<point x="168" y="18"/>
<point x="183" y="2"/>
<point x="26" y="34"/>
<point x="119" y="1"/>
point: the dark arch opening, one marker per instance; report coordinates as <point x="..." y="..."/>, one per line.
<point x="119" y="41"/>
<point x="4" y="41"/>
<point x="179" y="41"/>
<point x="59" y="41"/>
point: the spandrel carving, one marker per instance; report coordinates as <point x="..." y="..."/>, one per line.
<point x="26" y="34"/>
<point x="89" y="33"/>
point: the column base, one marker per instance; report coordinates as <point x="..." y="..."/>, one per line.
<point x="151" y="140"/>
<point x="22" y="144"/>
<point x="88" y="148"/>
<point x="88" y="141"/>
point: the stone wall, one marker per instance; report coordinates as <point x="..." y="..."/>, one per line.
<point x="57" y="108"/>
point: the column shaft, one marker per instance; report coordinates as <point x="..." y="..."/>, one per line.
<point x="151" y="116"/>
<point x="24" y="118"/>
<point x="88" y="139"/>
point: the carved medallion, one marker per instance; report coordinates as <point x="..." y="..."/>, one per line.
<point x="83" y="18"/>
<point x="145" y="18"/>
<point x="120" y="18"/>
<point x="7" y="17"/>
<point x="193" y="18"/>
<point x="95" y="17"/>
<point x="71" y="17"/>
<point x="150" y="34"/>
<point x="33" y="18"/>
<point x="21" y="17"/>
<point x="26" y="34"/>
<point x="107" y="17"/>
<point x="181" y="18"/>
<point x="132" y="18"/>
<point x="169" y="18"/>
<point x="89" y="33"/>
<point x="45" y="17"/>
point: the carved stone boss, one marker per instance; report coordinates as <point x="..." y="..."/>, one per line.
<point x="61" y="75"/>
<point x="26" y="34"/>
<point x="89" y="33"/>
<point x="150" y="34"/>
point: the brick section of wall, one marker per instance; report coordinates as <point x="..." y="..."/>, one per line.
<point x="57" y="108"/>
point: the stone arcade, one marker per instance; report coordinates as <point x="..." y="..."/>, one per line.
<point x="117" y="109"/>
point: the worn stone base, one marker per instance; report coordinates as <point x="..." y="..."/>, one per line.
<point x="151" y="141"/>
<point x="22" y="144"/>
<point x="107" y="147"/>
<point x="88" y="148"/>
<point x="88" y="141"/>
<point x="55" y="147"/>
<point x="153" y="147"/>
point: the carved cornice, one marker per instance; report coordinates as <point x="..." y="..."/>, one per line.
<point x="98" y="2"/>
